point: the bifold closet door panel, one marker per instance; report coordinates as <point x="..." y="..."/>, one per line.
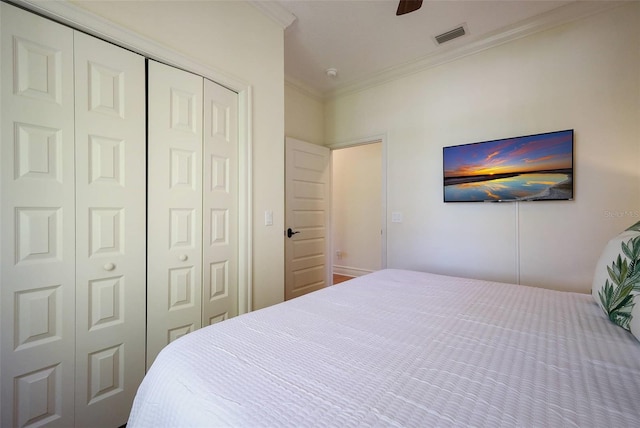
<point x="37" y="272"/>
<point x="174" y="238"/>
<point x="220" y="204"/>
<point x="110" y="230"/>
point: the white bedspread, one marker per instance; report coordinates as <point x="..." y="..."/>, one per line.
<point x="402" y="349"/>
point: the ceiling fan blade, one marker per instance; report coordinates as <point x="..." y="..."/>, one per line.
<point x="406" y="6"/>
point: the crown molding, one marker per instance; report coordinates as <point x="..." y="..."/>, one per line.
<point x="565" y="14"/>
<point x="304" y="89"/>
<point x="273" y="10"/>
<point x="74" y="16"/>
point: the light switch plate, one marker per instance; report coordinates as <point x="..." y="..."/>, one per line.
<point x="396" y="217"/>
<point x="268" y="218"/>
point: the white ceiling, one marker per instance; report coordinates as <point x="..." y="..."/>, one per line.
<point x="365" y="41"/>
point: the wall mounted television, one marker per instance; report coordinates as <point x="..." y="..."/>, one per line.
<point x="528" y="168"/>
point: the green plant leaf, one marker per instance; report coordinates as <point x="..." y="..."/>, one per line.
<point x="617" y="307"/>
<point x="635" y="227"/>
<point x="631" y="248"/>
<point x="624" y="279"/>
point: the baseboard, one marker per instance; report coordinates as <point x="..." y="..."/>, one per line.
<point x="350" y="271"/>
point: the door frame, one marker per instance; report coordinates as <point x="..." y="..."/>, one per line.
<point x="382" y="139"/>
<point x="79" y="19"/>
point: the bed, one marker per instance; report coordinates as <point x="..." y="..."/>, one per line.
<point x="400" y="348"/>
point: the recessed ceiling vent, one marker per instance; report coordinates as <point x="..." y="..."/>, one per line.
<point x="451" y="34"/>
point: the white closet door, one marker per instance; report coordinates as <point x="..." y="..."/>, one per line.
<point x="110" y="230"/>
<point x="37" y="221"/>
<point x="220" y="204"/>
<point x="174" y="236"/>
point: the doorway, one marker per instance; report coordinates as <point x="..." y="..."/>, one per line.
<point x="358" y="208"/>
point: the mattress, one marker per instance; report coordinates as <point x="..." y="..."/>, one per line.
<point x="402" y="349"/>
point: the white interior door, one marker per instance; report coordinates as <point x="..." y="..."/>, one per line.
<point x="174" y="221"/>
<point x="220" y="204"/>
<point x="37" y="317"/>
<point x="307" y="200"/>
<point x="110" y="230"/>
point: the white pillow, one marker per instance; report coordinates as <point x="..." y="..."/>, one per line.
<point x="617" y="280"/>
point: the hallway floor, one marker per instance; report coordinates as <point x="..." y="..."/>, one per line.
<point x="337" y="279"/>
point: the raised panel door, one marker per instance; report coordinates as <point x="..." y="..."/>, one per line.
<point x="37" y="304"/>
<point x="110" y="230"/>
<point x="174" y="238"/>
<point x="220" y="204"/>
<point x="307" y="191"/>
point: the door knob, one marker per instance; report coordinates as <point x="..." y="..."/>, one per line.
<point x="290" y="232"/>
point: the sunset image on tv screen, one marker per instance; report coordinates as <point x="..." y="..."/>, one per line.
<point x="533" y="167"/>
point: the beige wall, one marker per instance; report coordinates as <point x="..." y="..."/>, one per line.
<point x="356" y="211"/>
<point x="584" y="75"/>
<point x="303" y="115"/>
<point x="238" y="40"/>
